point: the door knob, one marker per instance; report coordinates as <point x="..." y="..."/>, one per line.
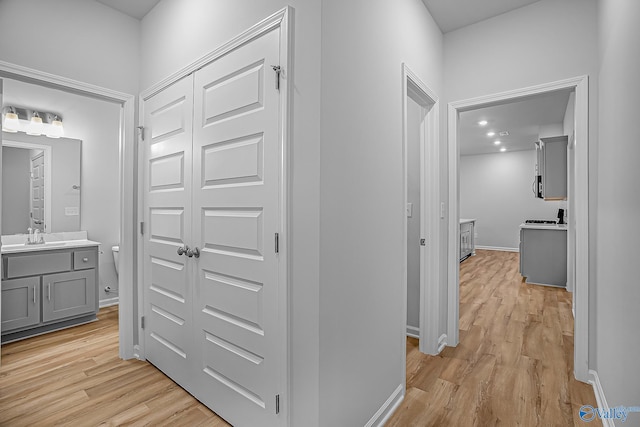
<point x="183" y="250"/>
<point x="193" y="252"/>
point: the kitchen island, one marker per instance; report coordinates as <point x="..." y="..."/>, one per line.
<point x="543" y="254"/>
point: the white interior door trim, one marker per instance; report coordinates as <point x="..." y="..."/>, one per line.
<point x="127" y="276"/>
<point x="284" y="20"/>
<point x="581" y="328"/>
<point x="414" y="88"/>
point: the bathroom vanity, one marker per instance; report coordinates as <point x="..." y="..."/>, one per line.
<point x="48" y="286"/>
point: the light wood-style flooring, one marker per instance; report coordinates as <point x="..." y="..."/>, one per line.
<point x="75" y="378"/>
<point x="514" y="363"/>
<point x="513" y="367"/>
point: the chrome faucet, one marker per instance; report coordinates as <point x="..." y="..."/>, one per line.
<point x="36" y="238"/>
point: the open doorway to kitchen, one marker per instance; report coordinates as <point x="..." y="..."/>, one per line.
<point x="481" y="115"/>
<point x="103" y="119"/>
<point x="421" y="225"/>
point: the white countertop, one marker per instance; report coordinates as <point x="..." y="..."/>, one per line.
<point x="77" y="239"/>
<point x="465" y="220"/>
<point x="561" y="227"/>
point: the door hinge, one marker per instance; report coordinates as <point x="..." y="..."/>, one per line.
<point x="277" y="243"/>
<point x="142" y="228"/>
<point x="142" y="322"/>
<point x="423" y="242"/>
<point x="278" y="70"/>
<point x="277" y="404"/>
<point x="141" y="130"/>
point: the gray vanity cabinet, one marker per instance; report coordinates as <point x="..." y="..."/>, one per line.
<point x="67" y="295"/>
<point x="48" y="290"/>
<point x="20" y="303"/>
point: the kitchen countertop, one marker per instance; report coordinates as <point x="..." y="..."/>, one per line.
<point x="562" y="227"/>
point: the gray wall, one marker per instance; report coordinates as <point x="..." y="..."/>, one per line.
<point x="618" y="294"/>
<point x="16" y="172"/>
<point x="495" y="189"/>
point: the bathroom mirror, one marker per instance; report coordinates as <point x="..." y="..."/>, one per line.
<point x="40" y="183"/>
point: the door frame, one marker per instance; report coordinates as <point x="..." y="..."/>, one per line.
<point x="282" y="19"/>
<point x="581" y="178"/>
<point x="415" y="89"/>
<point x="127" y="184"/>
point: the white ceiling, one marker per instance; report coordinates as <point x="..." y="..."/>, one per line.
<point x="522" y="119"/>
<point x="134" y="8"/>
<point x="453" y="14"/>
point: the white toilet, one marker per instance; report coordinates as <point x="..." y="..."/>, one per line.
<point x="116" y="250"/>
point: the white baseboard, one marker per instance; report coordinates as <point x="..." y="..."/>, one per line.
<point x="600" y="399"/>
<point x="498" y="248"/>
<point x="109" y="302"/>
<point x="442" y="342"/>
<point x="413" y="332"/>
<point x="387" y="409"/>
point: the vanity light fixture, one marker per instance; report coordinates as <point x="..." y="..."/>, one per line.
<point x="35" y="125"/>
<point x="11" y="122"/>
<point x="32" y="122"/>
<point x="55" y="130"/>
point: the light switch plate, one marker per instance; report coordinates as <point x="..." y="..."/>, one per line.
<point x="72" y="211"/>
<point x="409" y="210"/>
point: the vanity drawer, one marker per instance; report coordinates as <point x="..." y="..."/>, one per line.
<point x="34" y="264"/>
<point x="83" y="260"/>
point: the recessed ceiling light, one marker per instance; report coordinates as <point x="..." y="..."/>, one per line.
<point x="490" y="134"/>
<point x="483" y="122"/>
<point x="497" y="142"/>
<point x="502" y="150"/>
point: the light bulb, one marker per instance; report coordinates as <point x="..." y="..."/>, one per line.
<point x="35" y="125"/>
<point x="55" y="130"/>
<point x="11" y="123"/>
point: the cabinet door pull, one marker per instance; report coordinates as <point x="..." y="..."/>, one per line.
<point x="49" y="291"/>
<point x="34" y="294"/>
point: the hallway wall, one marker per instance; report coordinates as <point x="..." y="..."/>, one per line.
<point x="618" y="294"/>
<point x="364" y="43"/>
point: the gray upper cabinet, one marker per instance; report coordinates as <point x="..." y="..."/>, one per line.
<point x="551" y="167"/>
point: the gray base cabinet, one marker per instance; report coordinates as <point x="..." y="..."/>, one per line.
<point x="20" y="303"/>
<point x="48" y="290"/>
<point x="543" y="256"/>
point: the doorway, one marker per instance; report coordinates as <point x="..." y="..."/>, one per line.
<point x="122" y="127"/>
<point x="578" y="184"/>
<point x="421" y="215"/>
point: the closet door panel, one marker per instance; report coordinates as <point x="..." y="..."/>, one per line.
<point x="236" y="213"/>
<point x="168" y="118"/>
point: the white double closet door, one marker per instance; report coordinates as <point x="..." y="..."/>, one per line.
<point x="212" y="211"/>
